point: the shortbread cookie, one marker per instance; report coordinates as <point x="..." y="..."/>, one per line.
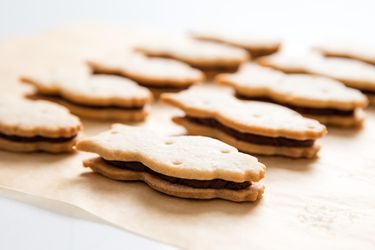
<point x="348" y="49"/>
<point x="184" y="166"/>
<point x="250" y="126"/>
<point x="157" y="74"/>
<point x="99" y="97"/>
<point x="209" y="57"/>
<point x="28" y="126"/>
<point x="256" y="45"/>
<point x="321" y="98"/>
<point x="353" y="73"/>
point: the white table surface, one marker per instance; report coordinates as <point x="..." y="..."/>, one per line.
<point x="26" y="222"/>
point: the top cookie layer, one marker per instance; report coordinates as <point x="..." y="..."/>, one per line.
<point x="353" y="73"/>
<point x="153" y="71"/>
<point x="347" y="49"/>
<point x="189" y="157"/>
<point x="83" y="88"/>
<point x="252" y="43"/>
<point x="296" y="89"/>
<point x="36" y="118"/>
<point x="196" y="53"/>
<point x="253" y="117"/>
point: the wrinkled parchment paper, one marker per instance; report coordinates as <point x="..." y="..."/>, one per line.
<point x="327" y="203"/>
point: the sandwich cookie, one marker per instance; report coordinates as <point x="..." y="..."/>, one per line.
<point x="100" y="97"/>
<point x="250" y="126"/>
<point x="28" y="126"/>
<point x="352" y="73"/>
<point x="183" y="166"/>
<point x="158" y="74"/>
<point x="320" y="98"/>
<point x="256" y="45"/>
<point x="211" y="58"/>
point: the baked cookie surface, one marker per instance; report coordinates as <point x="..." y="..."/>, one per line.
<point x="353" y="73"/>
<point x="154" y="73"/>
<point x="348" y="49"/>
<point x="100" y="97"/>
<point x="27" y="126"/>
<point x="207" y="56"/>
<point x="322" y="98"/>
<point x="184" y="166"/>
<point x="256" y="45"/>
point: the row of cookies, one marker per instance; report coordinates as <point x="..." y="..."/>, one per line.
<point x="352" y="73"/>
<point x="117" y="85"/>
<point x="267" y="130"/>
<point x="181" y="166"/>
<point x="225" y="172"/>
<point x="351" y="65"/>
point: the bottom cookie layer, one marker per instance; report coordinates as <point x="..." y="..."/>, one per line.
<point x="371" y="99"/>
<point x="50" y="147"/>
<point x="355" y="121"/>
<point x="252" y="148"/>
<point x="98" y="165"/>
<point x="105" y="114"/>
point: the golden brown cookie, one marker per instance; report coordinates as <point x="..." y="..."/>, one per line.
<point x="209" y="57"/>
<point x="353" y="73"/>
<point x="28" y="126"/>
<point x="250" y="126"/>
<point x="256" y="45"/>
<point x="321" y="98"/>
<point x="157" y="74"/>
<point x="348" y="49"/>
<point x="183" y="166"/>
<point x="100" y="97"/>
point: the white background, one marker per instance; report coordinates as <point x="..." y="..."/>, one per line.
<point x="25" y="223"/>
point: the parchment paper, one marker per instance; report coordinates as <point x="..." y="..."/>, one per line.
<point x="327" y="203"/>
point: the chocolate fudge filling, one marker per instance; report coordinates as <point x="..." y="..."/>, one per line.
<point x="251" y="138"/>
<point x="37" y="138"/>
<point x="214" y="183"/>
<point x="90" y="106"/>
<point x="367" y="91"/>
<point x="165" y="86"/>
<point x="256" y="53"/>
<point x="216" y="68"/>
<point x="302" y="110"/>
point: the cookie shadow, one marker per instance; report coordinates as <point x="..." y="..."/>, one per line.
<point x="298" y="165"/>
<point x="344" y="133"/>
<point x="142" y="194"/>
<point x="37" y="159"/>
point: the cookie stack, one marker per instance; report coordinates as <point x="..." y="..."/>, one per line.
<point x="211" y="58"/>
<point x="100" y="97"/>
<point x="181" y="166"/>
<point x="44" y="127"/>
<point x="321" y="98"/>
<point x="352" y="73"/>
<point x="256" y="45"/>
<point x="250" y="126"/>
<point x="157" y="74"/>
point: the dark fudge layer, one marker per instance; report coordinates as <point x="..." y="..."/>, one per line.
<point x="213" y="184"/>
<point x="251" y="138"/>
<point x="37" y="138"/>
